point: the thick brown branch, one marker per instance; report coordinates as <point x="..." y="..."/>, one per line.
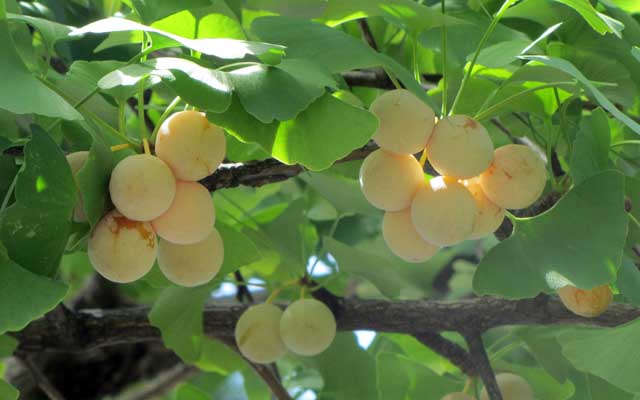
<point x="89" y="329"/>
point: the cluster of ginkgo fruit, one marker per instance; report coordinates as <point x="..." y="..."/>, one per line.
<point x="467" y="201"/>
<point x="159" y="195"/>
<point x="264" y="332"/>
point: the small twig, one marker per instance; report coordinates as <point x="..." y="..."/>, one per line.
<point x="449" y="350"/>
<point x="367" y="35"/>
<point x="264" y="371"/>
<point x="41" y="380"/>
<point x="483" y="365"/>
<point x="242" y="292"/>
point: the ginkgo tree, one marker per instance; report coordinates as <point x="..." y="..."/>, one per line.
<point x="319" y="199"/>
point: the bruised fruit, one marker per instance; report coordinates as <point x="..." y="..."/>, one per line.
<point x="586" y="302"/>
<point x="515" y="178"/>
<point x="120" y="249"/>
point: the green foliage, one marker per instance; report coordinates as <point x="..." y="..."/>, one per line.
<point x="40" y="217"/>
<point x="292" y="80"/>
<point x="586" y="230"/>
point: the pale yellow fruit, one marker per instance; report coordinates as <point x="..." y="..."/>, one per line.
<point x="307" y="327"/>
<point x="460" y="147"/>
<point x="191" y="264"/>
<point x="516" y="177"/>
<point x="405" y="122"/>
<point x="512" y="387"/>
<point x="191" y="145"/>
<point x="403" y="239"/>
<point x="142" y="187"/>
<point x="488" y="216"/>
<point x="457" y="396"/>
<point x="191" y="216"/>
<point x="120" y="249"/>
<point x="389" y="181"/>
<point x="586" y="302"/>
<point x="76" y="161"/>
<point x="444" y="212"/>
<point x="258" y="334"/>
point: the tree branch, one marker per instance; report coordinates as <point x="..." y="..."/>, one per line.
<point x="41" y="380"/>
<point x="90" y="329"/>
<point x="483" y="365"/>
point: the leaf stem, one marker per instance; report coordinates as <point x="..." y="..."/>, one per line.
<point x="481" y="44"/>
<point x="625" y="142"/>
<point x="443" y="50"/>
<point x="237" y="64"/>
<point x="141" y="117"/>
<point x="164" y="116"/>
<point x="323" y="251"/>
<point x="490" y="110"/>
<point x="393" y="79"/>
<point x="414" y="58"/>
<point x="10" y="190"/>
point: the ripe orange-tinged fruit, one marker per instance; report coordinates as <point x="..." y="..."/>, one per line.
<point x="389" y="181"/>
<point x="403" y="239"/>
<point x="120" y="249"/>
<point x="76" y="161"/>
<point x="405" y="122"/>
<point x="586" y="302"/>
<point x="191" y="216"/>
<point x="512" y="387"/>
<point x="460" y="147"/>
<point x="444" y="212"/>
<point x="489" y="216"/>
<point x="307" y="327"/>
<point x="191" y="264"/>
<point x="142" y="187"/>
<point x="515" y="178"/>
<point x="457" y="396"/>
<point x="191" y="145"/>
<point x="258" y="334"/>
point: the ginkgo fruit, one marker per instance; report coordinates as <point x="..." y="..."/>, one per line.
<point x="488" y="215"/>
<point x="190" y="217"/>
<point x="307" y="327"/>
<point x="258" y="334"/>
<point x="191" y="145"/>
<point x="460" y="147"/>
<point x="586" y="302"/>
<point x="142" y="187"/>
<point x="512" y="387"/>
<point x="516" y="177"/>
<point x="120" y="249"/>
<point x="76" y="161"/>
<point x="405" y="122"/>
<point x="402" y="238"/>
<point x="444" y="212"/>
<point x="457" y="396"/>
<point x="191" y="264"/>
<point x="389" y="181"/>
